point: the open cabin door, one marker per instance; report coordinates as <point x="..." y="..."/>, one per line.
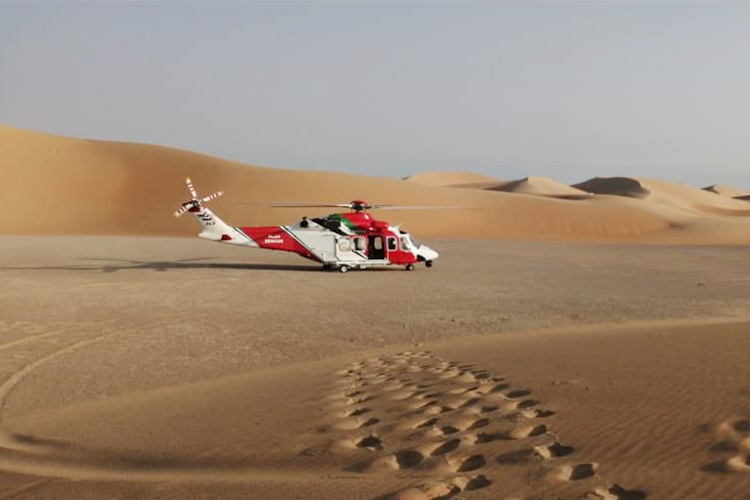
<point x="375" y="247"/>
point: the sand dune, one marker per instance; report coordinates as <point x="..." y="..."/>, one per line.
<point x="668" y="194"/>
<point x="726" y="190"/>
<point x="60" y="185"/>
<point x="541" y="186"/>
<point x="455" y="179"/>
<point x="692" y="198"/>
<point x="619" y="186"/>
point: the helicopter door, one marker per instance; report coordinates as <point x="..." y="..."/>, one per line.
<point x="375" y="248"/>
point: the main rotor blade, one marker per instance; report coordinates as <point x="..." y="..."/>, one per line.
<point x="347" y="205"/>
<point x="322" y="205"/>
<point x="396" y="207"/>
<point x="191" y="188"/>
<point x="181" y="211"/>
<point x="297" y="205"/>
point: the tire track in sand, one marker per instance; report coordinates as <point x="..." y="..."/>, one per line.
<point x="56" y="459"/>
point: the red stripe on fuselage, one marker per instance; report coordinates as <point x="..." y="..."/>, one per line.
<point x="275" y="238"/>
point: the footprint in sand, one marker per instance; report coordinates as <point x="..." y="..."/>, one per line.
<point x="357" y="412"/>
<point x="408" y="458"/>
<point x="739" y="463"/>
<point x="446" y="447"/>
<point x="474" y="462"/>
<point x="576" y="472"/>
<point x="517" y="394"/>
<point x="734" y="437"/>
<point x="442" y="490"/>
<point x="554" y="450"/>
<point x="371" y="443"/>
<point x="615" y="492"/>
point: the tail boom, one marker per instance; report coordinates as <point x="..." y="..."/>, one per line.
<point x="215" y="229"/>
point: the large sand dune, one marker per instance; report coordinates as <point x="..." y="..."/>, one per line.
<point x="692" y="198"/>
<point x="670" y="194"/>
<point x="58" y="185"/>
<point x="541" y="186"/>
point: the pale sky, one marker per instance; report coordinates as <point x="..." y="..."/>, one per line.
<point x="564" y="90"/>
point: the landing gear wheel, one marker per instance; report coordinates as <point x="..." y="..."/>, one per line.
<point x="344" y="269"/>
<point x="428" y="263"/>
<point x="409" y="267"/>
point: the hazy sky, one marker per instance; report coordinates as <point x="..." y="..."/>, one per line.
<point x="565" y="90"/>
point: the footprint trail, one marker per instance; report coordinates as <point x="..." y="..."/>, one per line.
<point x="444" y="429"/>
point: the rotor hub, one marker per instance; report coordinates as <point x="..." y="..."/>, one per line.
<point x="359" y="205"/>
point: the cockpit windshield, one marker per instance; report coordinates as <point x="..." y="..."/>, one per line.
<point x="407" y="242"/>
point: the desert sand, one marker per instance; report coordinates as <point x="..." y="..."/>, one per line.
<point x="171" y="368"/>
<point x="608" y="360"/>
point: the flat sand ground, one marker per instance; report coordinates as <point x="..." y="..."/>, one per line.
<point x="159" y="368"/>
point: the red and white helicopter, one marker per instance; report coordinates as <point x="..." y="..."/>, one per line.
<point x="343" y="241"/>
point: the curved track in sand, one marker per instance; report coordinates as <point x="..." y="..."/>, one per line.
<point x="49" y="458"/>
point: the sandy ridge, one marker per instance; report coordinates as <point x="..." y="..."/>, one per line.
<point x="73" y="186"/>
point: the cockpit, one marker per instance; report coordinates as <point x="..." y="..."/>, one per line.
<point x="407" y="242"/>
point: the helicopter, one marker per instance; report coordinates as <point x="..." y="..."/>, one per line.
<point x="341" y="241"/>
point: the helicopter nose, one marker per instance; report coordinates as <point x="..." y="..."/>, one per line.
<point x="428" y="253"/>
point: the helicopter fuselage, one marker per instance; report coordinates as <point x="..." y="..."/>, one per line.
<point x="339" y="240"/>
<point x="354" y="238"/>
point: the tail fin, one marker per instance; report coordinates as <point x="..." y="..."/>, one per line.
<point x="214" y="228"/>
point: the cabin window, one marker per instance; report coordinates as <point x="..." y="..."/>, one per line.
<point x="360" y="244"/>
<point x="392" y="244"/>
<point x="377" y="243"/>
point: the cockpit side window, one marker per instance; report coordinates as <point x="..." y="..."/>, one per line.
<point x="392" y="245"/>
<point x="405" y="244"/>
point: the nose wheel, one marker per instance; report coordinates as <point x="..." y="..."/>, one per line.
<point x="428" y="263"/>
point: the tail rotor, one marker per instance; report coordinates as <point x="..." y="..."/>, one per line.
<point x="195" y="201"/>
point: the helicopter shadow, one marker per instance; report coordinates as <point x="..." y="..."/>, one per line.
<point x="163" y="266"/>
